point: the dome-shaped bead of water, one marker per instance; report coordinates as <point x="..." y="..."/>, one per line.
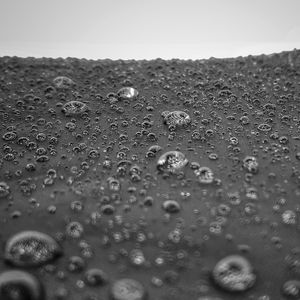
<point x="20" y="285"/>
<point x="234" y="273"/>
<point x="31" y="248"/>
<point x="63" y="82"/>
<point x="128" y="289"/>
<point x="291" y="289"/>
<point x="127" y="93"/>
<point x="4" y="189"/>
<point x="250" y="164"/>
<point x="171" y="162"/>
<point x="205" y="175"/>
<point x="74" y="108"/>
<point x="176" y="119"/>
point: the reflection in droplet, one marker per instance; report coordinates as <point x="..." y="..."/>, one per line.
<point x="127" y="93"/>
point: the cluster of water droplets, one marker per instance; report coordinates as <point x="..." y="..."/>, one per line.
<point x="112" y="170"/>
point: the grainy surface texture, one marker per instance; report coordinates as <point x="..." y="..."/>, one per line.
<point x="150" y="179"/>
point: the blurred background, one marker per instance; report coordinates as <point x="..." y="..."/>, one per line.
<point x="141" y="29"/>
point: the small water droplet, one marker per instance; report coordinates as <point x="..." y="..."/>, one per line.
<point x="95" y="277"/>
<point x="291" y="289"/>
<point x="4" y="189"/>
<point x="250" y="164"/>
<point x="171" y="206"/>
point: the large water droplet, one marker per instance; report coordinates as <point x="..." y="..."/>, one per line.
<point x="63" y="82"/>
<point x="20" y="285"/>
<point x="171" y="162"/>
<point x="128" y="289"/>
<point x="234" y="273"/>
<point x="74" y="108"/>
<point x="127" y="93"/>
<point x="205" y="175"/>
<point x="31" y="248"/>
<point x="176" y="119"/>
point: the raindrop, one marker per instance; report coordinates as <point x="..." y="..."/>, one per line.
<point x="74" y="230"/>
<point x="205" y="175"/>
<point x="234" y="273"/>
<point x="74" y="108"/>
<point x="127" y="93"/>
<point x="95" y="277"/>
<point x="63" y="82"/>
<point x="289" y="217"/>
<point x="9" y="136"/>
<point x="127" y="289"/>
<point x="137" y="257"/>
<point x="176" y="119"/>
<point x="76" y="264"/>
<point x="20" y="285"/>
<point x="291" y="289"/>
<point x="250" y="164"/>
<point x="31" y="248"/>
<point x="171" y="206"/>
<point x="171" y="162"/>
<point x="264" y="127"/>
<point x="4" y="189"/>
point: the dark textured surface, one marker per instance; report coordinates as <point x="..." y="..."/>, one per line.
<point x="224" y="98"/>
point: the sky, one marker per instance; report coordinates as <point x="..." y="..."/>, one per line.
<point x="148" y="29"/>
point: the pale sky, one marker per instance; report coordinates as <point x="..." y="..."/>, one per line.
<point x="147" y="29"/>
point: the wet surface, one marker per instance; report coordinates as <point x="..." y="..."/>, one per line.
<point x="150" y="179"/>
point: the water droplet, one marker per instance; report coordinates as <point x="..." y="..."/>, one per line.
<point x="20" y="285"/>
<point x="31" y="248"/>
<point x="127" y="93"/>
<point x="95" y="277"/>
<point x="127" y="289"/>
<point x="250" y="164"/>
<point x="289" y="217"/>
<point x="176" y="119"/>
<point x="9" y="136"/>
<point x="74" y="230"/>
<point x="4" y="189"/>
<point x="171" y="206"/>
<point x="264" y="127"/>
<point x="63" y="82"/>
<point x="76" y="264"/>
<point x="234" y="273"/>
<point x="171" y="162"/>
<point x="137" y="257"/>
<point x="205" y="175"/>
<point x="74" y="108"/>
<point x="291" y="289"/>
